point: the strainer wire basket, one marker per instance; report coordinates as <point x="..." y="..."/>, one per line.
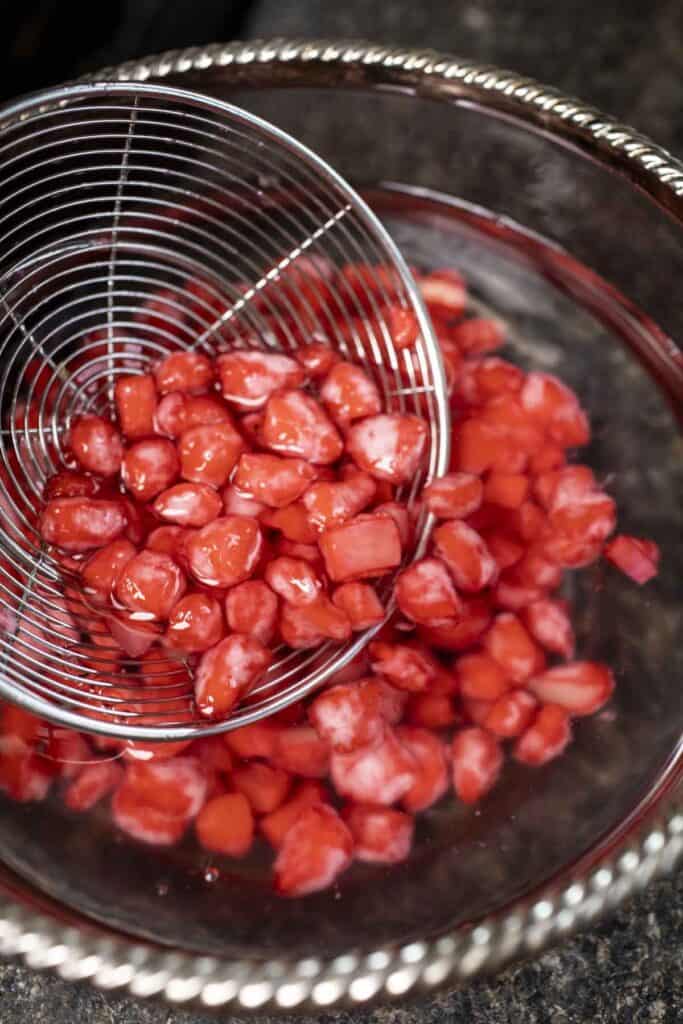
<point x="136" y="220"/>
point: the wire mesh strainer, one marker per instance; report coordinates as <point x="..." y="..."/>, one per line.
<point x="134" y="220"/>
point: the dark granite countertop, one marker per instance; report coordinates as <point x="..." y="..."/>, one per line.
<point x="627" y="59"/>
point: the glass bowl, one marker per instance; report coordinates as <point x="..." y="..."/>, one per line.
<point x="568" y="226"/>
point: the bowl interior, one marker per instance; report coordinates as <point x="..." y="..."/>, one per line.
<point x="564" y="318"/>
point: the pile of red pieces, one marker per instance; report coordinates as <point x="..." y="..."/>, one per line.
<point x="231" y="510"/>
<point x="276" y="505"/>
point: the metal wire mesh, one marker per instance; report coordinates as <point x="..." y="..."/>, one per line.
<point x="136" y="220"/>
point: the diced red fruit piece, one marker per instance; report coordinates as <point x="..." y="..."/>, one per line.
<point x="431" y="711"/>
<point x="508" y="643"/>
<point x="392" y="701"/>
<point x="507" y="415"/>
<point x="150" y="585"/>
<point x="482" y="379"/>
<point x="546" y="459"/>
<point x="550" y="625"/>
<point x="299" y="750"/>
<point x="236" y="504"/>
<point x="167" y="540"/>
<point x="227" y="672"/>
<point x="157" y="799"/>
<point x="330" y="503"/>
<point x="513" y="595"/>
<point x="399" y="513"/>
<point x="292" y="522"/>
<point x="309" y="552"/>
<point x="170" y="414"/>
<point x="378" y="774"/>
<point x="381" y="835"/>
<point x="554" y="406"/>
<point x="24" y="775"/>
<point x="225" y="825"/>
<point x="576" y="532"/>
<point x="349" y="393"/>
<point x="316" y="358"/>
<point x="445" y="682"/>
<point x="213" y="753"/>
<point x="92" y="783"/>
<point x="293" y="580"/>
<point x="505" y="550"/>
<point x="66" y="751"/>
<point x="403" y="326"/>
<point x="249" y="378"/>
<point x="149" y="467"/>
<point x="208" y="454"/>
<point x="444" y="293"/>
<point x="195" y="623"/>
<point x="139" y="520"/>
<point x="366" y="546"/>
<point x="21" y="725"/>
<point x="464" y="551"/>
<point x="295" y="424"/>
<point x="225" y="552"/>
<point x="481" y="678"/>
<point x="510" y="715"/>
<point x="102" y="570"/>
<point x="389" y="446"/>
<point x="580" y="687"/>
<point x="178" y="412"/>
<point x="184" y="371"/>
<point x="134" y="637"/>
<point x="636" y="557"/>
<point x="67" y="484"/>
<point x="360" y="604"/>
<point x="136" y="404"/>
<point x="454" y="496"/>
<point x="271" y="479"/>
<point x="481" y="446"/>
<point x="430" y="768"/>
<point x="461" y="633"/>
<point x="308" y="625"/>
<point x="189" y="504"/>
<point x="506" y="489"/>
<point x="477" y="711"/>
<point x="567" y="485"/>
<point x="203" y="410"/>
<point x="528" y="521"/>
<point x="425" y="592"/>
<point x="347" y="716"/>
<point x="534" y="569"/>
<point x="252" y="607"/>
<point x="251" y="426"/>
<point x="264" y="786"/>
<point x="97" y="445"/>
<point x="277" y="824"/>
<point x="477" y="760"/>
<point x="478" y="335"/>
<point x="546" y="737"/>
<point x="256" y="740"/>
<point x="315" y="850"/>
<point x="78" y="524"/>
<point x="406" y="668"/>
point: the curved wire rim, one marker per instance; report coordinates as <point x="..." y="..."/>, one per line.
<point x="624" y="862"/>
<point x="58" y="99"/>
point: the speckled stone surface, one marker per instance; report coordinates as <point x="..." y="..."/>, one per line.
<point x="613" y="54"/>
